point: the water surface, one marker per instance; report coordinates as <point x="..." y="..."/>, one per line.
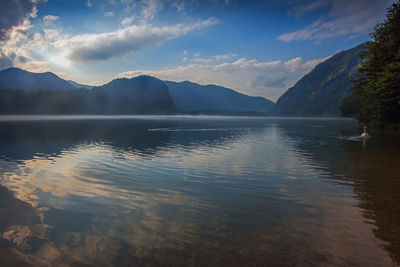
<point x="204" y="191"/>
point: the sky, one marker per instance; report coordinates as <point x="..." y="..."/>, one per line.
<point x="259" y="48"/>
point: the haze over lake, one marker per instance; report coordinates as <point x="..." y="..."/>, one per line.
<point x="196" y="190"/>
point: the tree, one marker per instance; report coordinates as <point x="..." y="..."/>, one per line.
<point x="375" y="97"/>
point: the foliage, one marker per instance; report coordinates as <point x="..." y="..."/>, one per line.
<point x="375" y="97"/>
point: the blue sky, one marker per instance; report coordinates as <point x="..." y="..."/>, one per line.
<point x="256" y="47"/>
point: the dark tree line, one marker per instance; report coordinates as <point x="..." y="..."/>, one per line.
<point x="79" y="101"/>
<point x="43" y="102"/>
<point x="375" y="97"/>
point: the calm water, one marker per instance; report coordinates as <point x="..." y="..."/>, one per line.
<point x="204" y="191"/>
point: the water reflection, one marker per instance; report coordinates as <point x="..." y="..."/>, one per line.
<point x="185" y="192"/>
<point x="370" y="167"/>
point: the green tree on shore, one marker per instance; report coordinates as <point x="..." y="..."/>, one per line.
<point x="375" y="97"/>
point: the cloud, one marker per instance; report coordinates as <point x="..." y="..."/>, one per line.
<point x="5" y="62"/>
<point x="201" y="60"/>
<point x="266" y="81"/>
<point x="268" y="78"/>
<point x="302" y="7"/>
<point x="197" y="59"/>
<point x="14" y="13"/>
<point x="108" y="14"/>
<point x="180" y="6"/>
<point x="91" y="47"/>
<point x="344" y="18"/>
<point x="150" y="8"/>
<point x="11" y="52"/>
<point x="127" y="21"/>
<point x="226" y="56"/>
<point x="49" y="19"/>
<point x="41" y="50"/>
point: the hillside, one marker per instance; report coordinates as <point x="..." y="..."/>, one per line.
<point x="321" y="91"/>
<point x="141" y="94"/>
<point x="192" y="97"/>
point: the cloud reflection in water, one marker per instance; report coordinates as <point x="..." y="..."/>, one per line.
<point x="115" y="193"/>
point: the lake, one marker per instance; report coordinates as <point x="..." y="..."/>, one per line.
<point x="197" y="191"/>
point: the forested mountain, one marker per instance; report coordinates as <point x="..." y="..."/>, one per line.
<point x="15" y="78"/>
<point x="321" y="91"/>
<point x="192" y="97"/>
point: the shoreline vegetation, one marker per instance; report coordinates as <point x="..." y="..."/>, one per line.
<point x="375" y="97"/>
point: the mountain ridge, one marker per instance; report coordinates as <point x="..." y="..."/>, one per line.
<point x="201" y="99"/>
<point x="16" y="78"/>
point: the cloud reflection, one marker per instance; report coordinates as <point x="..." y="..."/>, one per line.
<point x="240" y="193"/>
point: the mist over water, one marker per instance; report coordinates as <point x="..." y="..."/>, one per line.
<point x="196" y="190"/>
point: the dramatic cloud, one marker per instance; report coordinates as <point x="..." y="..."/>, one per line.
<point x="269" y="78"/>
<point x="11" y="52"/>
<point x="53" y="46"/>
<point x="89" y="47"/>
<point x="345" y="18"/>
<point x="14" y="13"/>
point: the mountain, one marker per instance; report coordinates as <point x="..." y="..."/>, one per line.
<point x="20" y="94"/>
<point x="15" y="78"/>
<point x="141" y="94"/>
<point x="321" y="91"/>
<point x="78" y="85"/>
<point x="195" y="98"/>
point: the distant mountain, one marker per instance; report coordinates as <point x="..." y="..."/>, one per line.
<point x="20" y="94"/>
<point x="78" y="85"/>
<point x="15" y="78"/>
<point x="195" y="98"/>
<point x="141" y="94"/>
<point x="320" y="92"/>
